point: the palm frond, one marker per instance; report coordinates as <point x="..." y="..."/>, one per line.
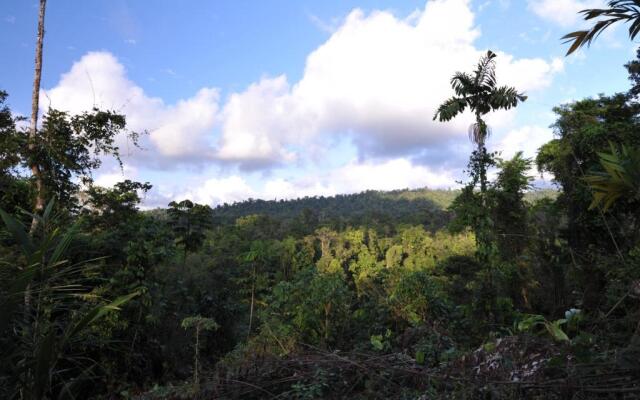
<point x="505" y="97"/>
<point x="479" y="93"/>
<point x="450" y="108"/>
<point x="462" y="84"/>
<point x="485" y="71"/>
<point x="619" y="10"/>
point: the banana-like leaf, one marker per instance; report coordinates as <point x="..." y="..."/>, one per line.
<point x="63" y="245"/>
<point x="619" y="178"/>
<point x="14" y="295"/>
<point x="97" y="313"/>
<point x="19" y="233"/>
<point x="47" y="211"/>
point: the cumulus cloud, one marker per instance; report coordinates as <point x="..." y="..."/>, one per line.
<point x="374" y="84"/>
<point x="114" y="175"/>
<point x="563" y="12"/>
<point x="253" y="126"/>
<point x="527" y="139"/>
<point x="216" y="191"/>
<point x="177" y="132"/>
<point x="377" y="80"/>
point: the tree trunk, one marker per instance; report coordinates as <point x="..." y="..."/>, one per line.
<point x="196" y="379"/>
<point x="327" y="311"/>
<point x="33" y="128"/>
<point x="33" y="131"/>
<point x="253" y="291"/>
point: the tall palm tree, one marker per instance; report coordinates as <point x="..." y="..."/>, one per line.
<point x="619" y="10"/>
<point x="480" y="93"/>
<point x="33" y="127"/>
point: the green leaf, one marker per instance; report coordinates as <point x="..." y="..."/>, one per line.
<point x="19" y="233"/>
<point x="63" y="245"/>
<point x="97" y="313"/>
<point x="556" y="331"/>
<point x="420" y="357"/>
<point x="376" y="342"/>
<point x="47" y="211"/>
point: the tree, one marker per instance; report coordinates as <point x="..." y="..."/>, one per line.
<point x="107" y="209"/>
<point x="15" y="192"/>
<point x="190" y="222"/>
<point x="199" y="324"/>
<point x="618" y="11"/>
<point x="510" y="210"/>
<point x="257" y="259"/>
<point x="112" y="219"/>
<point x="471" y="208"/>
<point x="8" y="144"/>
<point x="481" y="94"/>
<point x="633" y="68"/>
<point x="314" y="307"/>
<point x="66" y="146"/>
<point x="71" y="147"/>
<point x="583" y="130"/>
<point x="417" y="298"/>
<point x="33" y="128"/>
<point x="66" y="150"/>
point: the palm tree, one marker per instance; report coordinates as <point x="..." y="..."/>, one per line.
<point x="619" y="10"/>
<point x="481" y="94"/>
<point x="33" y="127"/>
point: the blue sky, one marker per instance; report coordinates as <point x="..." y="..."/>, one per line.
<point x="284" y="99"/>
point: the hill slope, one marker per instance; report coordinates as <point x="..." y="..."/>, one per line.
<point x="400" y="206"/>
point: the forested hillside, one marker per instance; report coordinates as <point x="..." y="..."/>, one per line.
<point x="371" y="207"/>
<point x="496" y="290"/>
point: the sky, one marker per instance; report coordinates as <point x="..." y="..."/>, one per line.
<point x="282" y="99"/>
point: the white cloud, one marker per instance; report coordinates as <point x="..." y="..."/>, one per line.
<point x="389" y="175"/>
<point x="115" y="175"/>
<point x="216" y="191"/>
<point x="562" y="12"/>
<point x="251" y="118"/>
<point x="186" y="127"/>
<point x="179" y="132"/>
<point x="527" y="139"/>
<point x="353" y="177"/>
<point x="374" y="84"/>
<point x="378" y="80"/>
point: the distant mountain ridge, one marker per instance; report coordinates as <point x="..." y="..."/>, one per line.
<point x="406" y="206"/>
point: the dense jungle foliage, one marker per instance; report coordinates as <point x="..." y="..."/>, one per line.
<point x="498" y="290"/>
